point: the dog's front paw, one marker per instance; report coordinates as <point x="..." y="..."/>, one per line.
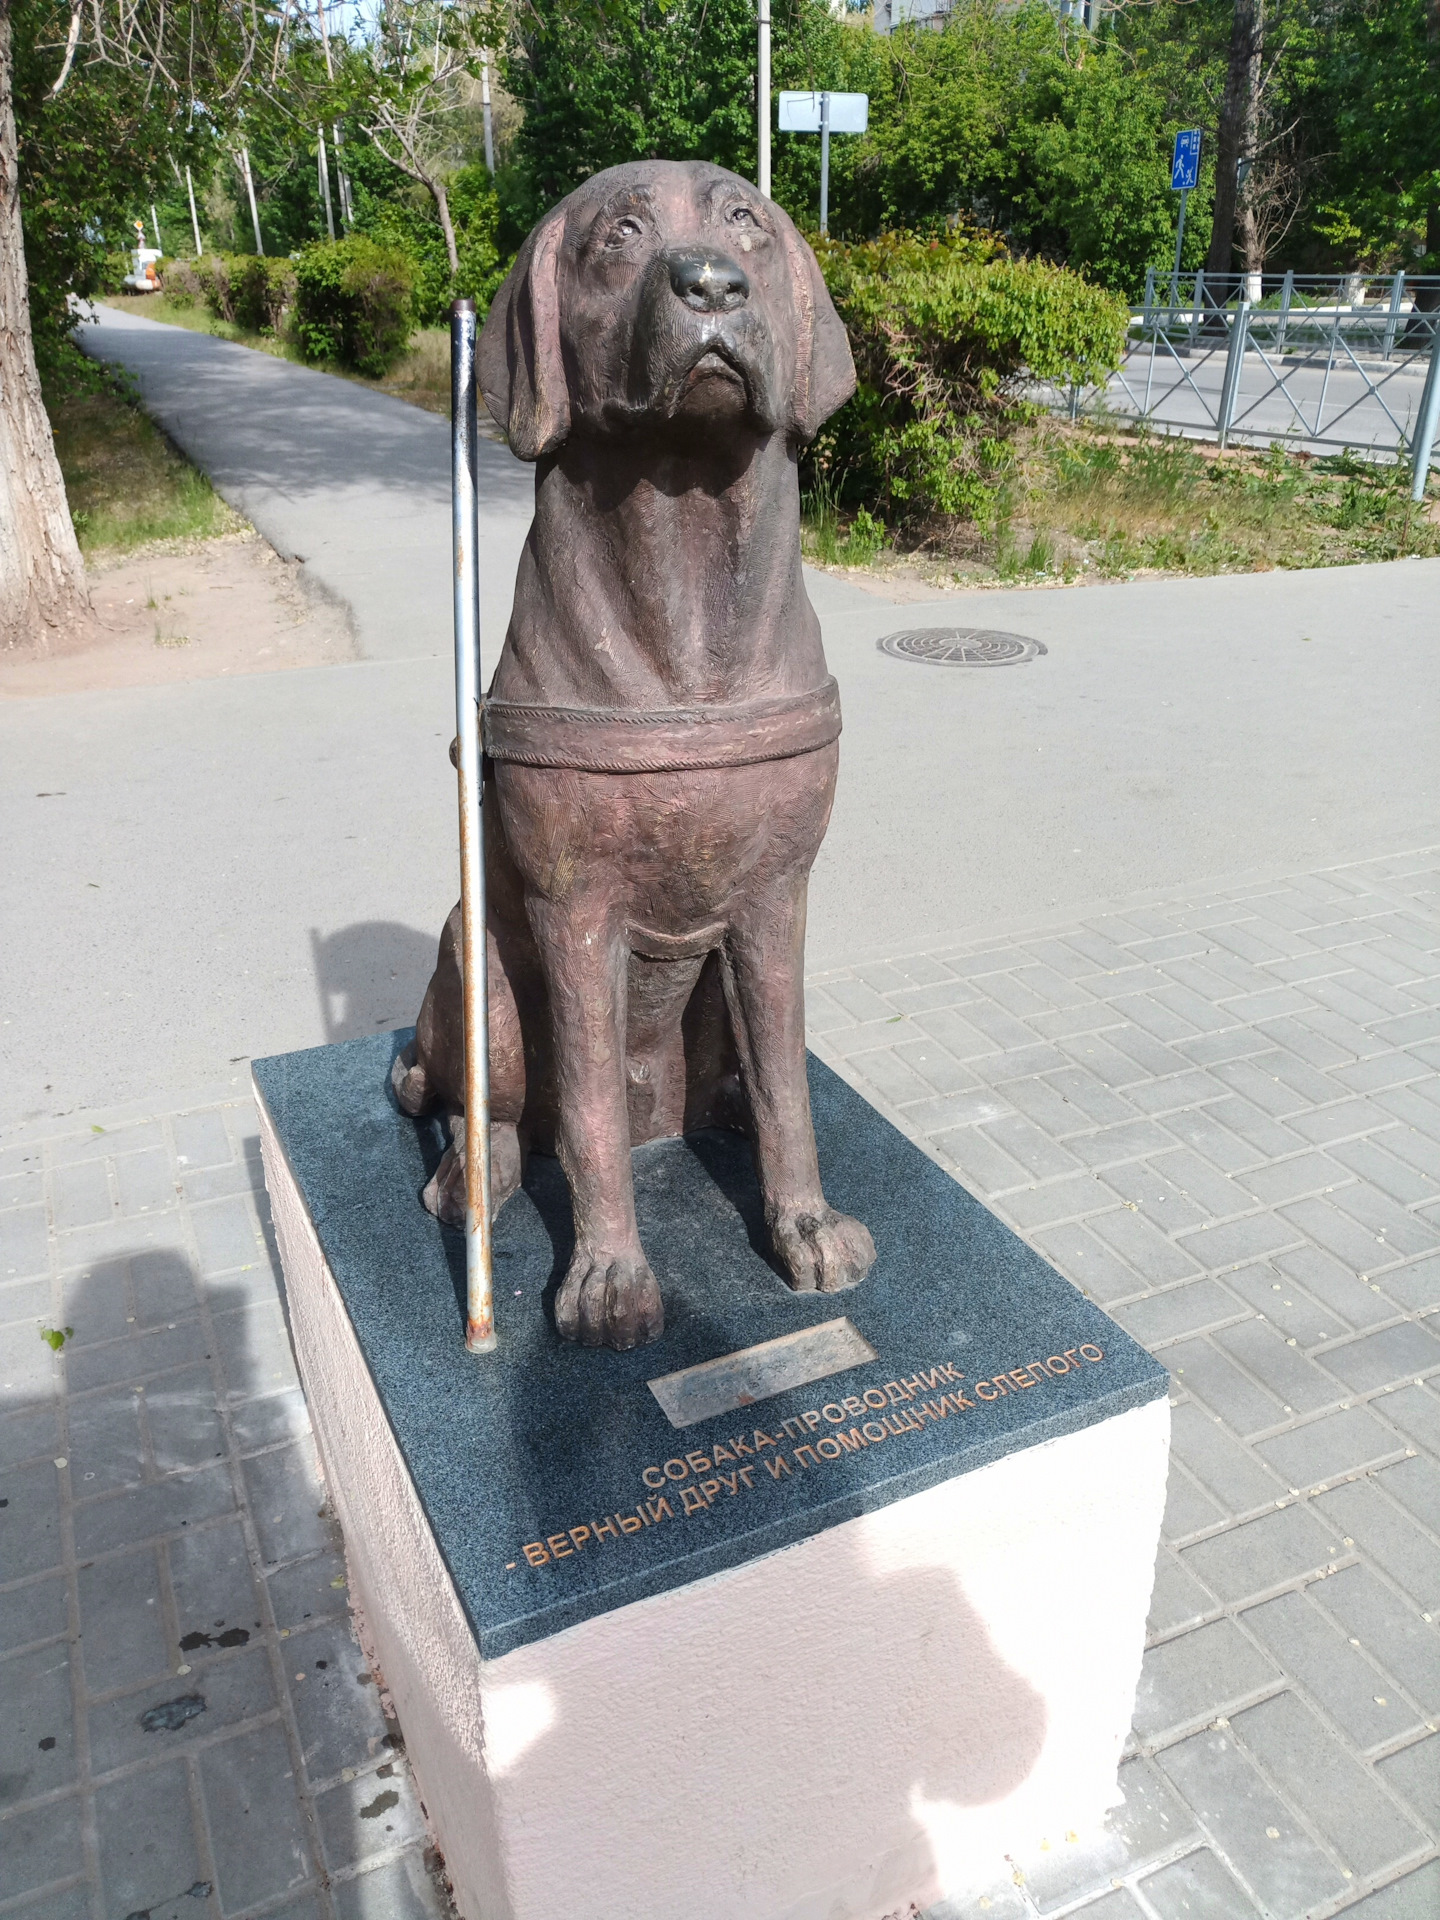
<point x="821" y="1250"/>
<point x="609" y="1300"/>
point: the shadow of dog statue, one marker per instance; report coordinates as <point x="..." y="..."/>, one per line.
<point x="661" y="733"/>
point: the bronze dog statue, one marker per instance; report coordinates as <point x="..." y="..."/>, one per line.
<point x="661" y="733"/>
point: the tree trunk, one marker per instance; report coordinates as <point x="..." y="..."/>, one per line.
<point x="1239" y="114"/>
<point x="447" y="226"/>
<point x="42" y="577"/>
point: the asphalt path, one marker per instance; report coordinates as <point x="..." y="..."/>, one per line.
<point x="200" y="873"/>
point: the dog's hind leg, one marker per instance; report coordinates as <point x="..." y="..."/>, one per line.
<point x="437" y="1075"/>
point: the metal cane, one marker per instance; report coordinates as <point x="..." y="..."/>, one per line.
<point x="479" y="1287"/>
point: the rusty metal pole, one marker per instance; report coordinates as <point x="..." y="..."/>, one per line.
<point x="479" y="1288"/>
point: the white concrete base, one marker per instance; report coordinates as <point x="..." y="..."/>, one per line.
<point x="871" y="1718"/>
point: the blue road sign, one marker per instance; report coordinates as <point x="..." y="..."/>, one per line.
<point x="1185" y="167"/>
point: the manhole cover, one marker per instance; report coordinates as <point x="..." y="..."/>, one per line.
<point x="961" y="646"/>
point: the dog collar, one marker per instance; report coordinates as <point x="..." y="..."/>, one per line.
<point x="665" y="740"/>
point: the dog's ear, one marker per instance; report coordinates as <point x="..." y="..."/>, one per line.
<point x="521" y="371"/>
<point x="824" y="370"/>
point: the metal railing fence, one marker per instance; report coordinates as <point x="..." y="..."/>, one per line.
<point x="1344" y="362"/>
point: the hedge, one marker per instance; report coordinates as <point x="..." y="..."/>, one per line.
<point x="354" y="303"/>
<point x="946" y="331"/>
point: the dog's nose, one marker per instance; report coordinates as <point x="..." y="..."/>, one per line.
<point x="708" y="282"/>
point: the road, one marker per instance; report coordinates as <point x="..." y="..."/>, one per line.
<point x="1360" y="402"/>
<point x="232" y="867"/>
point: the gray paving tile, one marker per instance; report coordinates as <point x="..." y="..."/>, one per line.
<point x="1179" y="1312"/>
<point x="1415" y="1286"/>
<point x="1234" y="1243"/>
<point x="1414" y="1773"/>
<point x="26" y="1304"/>
<point x="1400" y="1232"/>
<point x="1370" y="1160"/>
<point x="1188" y="1509"/>
<point x="214" y="1588"/>
<point x="1200" y="1129"/>
<point x="201" y="1139"/>
<point x="1412" y="1896"/>
<point x="1041" y="1157"/>
<point x="1254" y="1828"/>
<point x="30" y="1519"/>
<point x="107" y="1449"/>
<point x="1112" y="1146"/>
<point x="1382" y="1359"/>
<point x="40" y="1845"/>
<point x="123" y="1641"/>
<point x="287" y="1493"/>
<point x="1341" y="1122"/>
<point x="1087" y="1262"/>
<point x="184" y="1425"/>
<point x="1296" y="1382"/>
<point x="1177" y="1597"/>
<point x="1416" y="1485"/>
<point x="146" y="1840"/>
<point x="24" y="1242"/>
<point x="257" y="1829"/>
<point x="1159" y="1200"/>
<point x="1293" y="1179"/>
<point x="310" y="1589"/>
<point x="397" y="1890"/>
<point x="80" y="1195"/>
<point x="336" y="1702"/>
<point x="1240" y="1481"/>
<point x="370" y="1815"/>
<point x="1267" y="1552"/>
<point x="1286" y="1306"/>
<point x="163" y="1285"/>
<point x="254" y="1350"/>
<point x="1144" y="1247"/>
<point x="233" y="1687"/>
<point x="137" y="1355"/>
<point x="1391" y="1632"/>
<point x="145" y="1182"/>
<point x="1335" y="1285"/>
<point x="27" y="1434"/>
<point x="979" y="1162"/>
<point x="1367" y="1707"/>
<point x="37" y="1708"/>
<point x="163" y="1507"/>
<point x="1220" y="1385"/>
<point x="1199" y="1675"/>
<point x="1323" y="1449"/>
<point x="1416" y="1411"/>
<point x="1360" y="1511"/>
<point x="941" y="1071"/>
<point x="1196" y="1888"/>
<point x="1317" y="1775"/>
<point x="38" y="1610"/>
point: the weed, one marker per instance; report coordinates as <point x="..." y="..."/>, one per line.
<point x="55" y="1337"/>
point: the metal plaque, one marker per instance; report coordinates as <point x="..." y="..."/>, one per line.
<point x="738" y="1380"/>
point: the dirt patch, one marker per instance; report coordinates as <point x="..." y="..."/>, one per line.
<point x="194" y="610"/>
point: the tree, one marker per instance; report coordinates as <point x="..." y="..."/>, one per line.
<point x="421" y="56"/>
<point x="181" y="50"/>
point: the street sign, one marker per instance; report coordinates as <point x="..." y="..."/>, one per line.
<point x="1185" y="166"/>
<point x="824" y="113"/>
<point x="801" y="112"/>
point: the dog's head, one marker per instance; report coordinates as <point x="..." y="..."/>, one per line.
<point x="664" y="294"/>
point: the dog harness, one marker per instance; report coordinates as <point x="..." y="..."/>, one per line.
<point x="667" y="740"/>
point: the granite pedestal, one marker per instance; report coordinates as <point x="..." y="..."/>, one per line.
<point x="809" y="1634"/>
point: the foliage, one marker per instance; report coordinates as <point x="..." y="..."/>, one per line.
<point x="476" y="212"/>
<point x="945" y="331"/>
<point x="353" y="303"/>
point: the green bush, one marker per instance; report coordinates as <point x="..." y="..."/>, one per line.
<point x="946" y="331"/>
<point x="213" y="276"/>
<point x="354" y="303"/>
<point x="476" y="215"/>
<point x="264" y="292"/>
<point x="180" y="283"/>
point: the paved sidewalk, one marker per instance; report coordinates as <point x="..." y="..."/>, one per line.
<point x="191" y="1728"/>
<point x="1218" y="1112"/>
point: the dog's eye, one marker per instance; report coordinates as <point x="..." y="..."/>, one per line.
<point x="743" y="216"/>
<point x="624" y="229"/>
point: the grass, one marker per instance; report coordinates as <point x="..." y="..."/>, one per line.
<point x="126" y="483"/>
<point x="1082" y="502"/>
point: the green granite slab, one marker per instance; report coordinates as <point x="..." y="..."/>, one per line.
<point x="555" y="1482"/>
